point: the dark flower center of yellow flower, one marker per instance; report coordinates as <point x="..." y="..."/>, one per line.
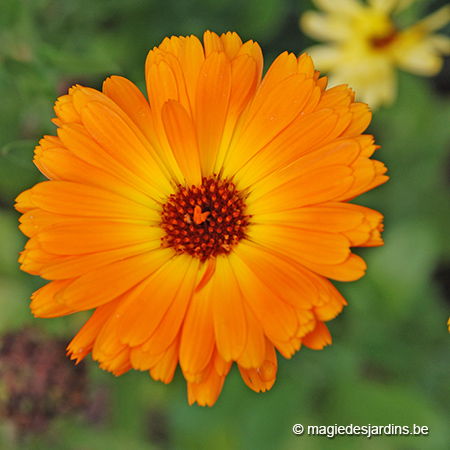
<point x="380" y="42"/>
<point x="204" y="221"/>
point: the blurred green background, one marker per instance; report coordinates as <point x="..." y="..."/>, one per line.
<point x="390" y="358"/>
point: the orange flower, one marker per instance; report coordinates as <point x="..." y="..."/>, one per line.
<point x="202" y="225"/>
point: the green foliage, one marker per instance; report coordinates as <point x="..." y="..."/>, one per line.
<point x="390" y="358"/>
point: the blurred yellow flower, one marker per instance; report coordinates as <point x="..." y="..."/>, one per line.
<point x="366" y="48"/>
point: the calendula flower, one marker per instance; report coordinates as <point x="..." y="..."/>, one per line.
<point x="202" y="225"/>
<point x="365" y="47"/>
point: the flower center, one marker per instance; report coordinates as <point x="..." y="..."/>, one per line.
<point x="380" y="42"/>
<point x="375" y="28"/>
<point x="204" y="221"/>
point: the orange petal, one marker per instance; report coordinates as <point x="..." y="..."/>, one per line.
<point x="162" y="86"/>
<point x="165" y="368"/>
<point x="330" y="302"/>
<point x="368" y="233"/>
<point x="168" y="45"/>
<point x="211" y="106"/>
<point x="119" y="141"/>
<point x="63" y="267"/>
<point x="305" y="65"/>
<point x="58" y="163"/>
<point x="76" y="199"/>
<point x="33" y="259"/>
<point x="340" y="95"/>
<point x="351" y="269"/>
<point x="24" y="202"/>
<point x="255" y="346"/>
<point x="320" y="176"/>
<point x="288" y="348"/>
<point x="230" y="326"/>
<point x="262" y="378"/>
<point x="37" y="220"/>
<point x="43" y="302"/>
<point x="65" y="109"/>
<point x="191" y="58"/>
<point x="318" y="338"/>
<point x="282" y="67"/>
<point x="288" y="145"/>
<point x="182" y="138"/>
<point x="221" y="366"/>
<point x="368" y="175"/>
<point x="212" y="43"/>
<point x="276" y="112"/>
<point x="130" y="99"/>
<point x="207" y="391"/>
<point x="245" y="79"/>
<point x="278" y="274"/>
<point x="276" y="317"/>
<point x="197" y="337"/>
<point x="107" y="283"/>
<point x="81" y="236"/>
<point x="360" y="121"/>
<point x="184" y="56"/>
<point x="330" y="217"/>
<point x="82" y="344"/>
<point x="144" y="308"/>
<point x="118" y="363"/>
<point x="173" y="319"/>
<point x="315" y="246"/>
<point x="143" y="360"/>
<point x="108" y="351"/>
<point x="78" y="141"/>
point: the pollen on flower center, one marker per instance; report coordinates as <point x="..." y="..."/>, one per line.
<point x="204" y="221"/>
